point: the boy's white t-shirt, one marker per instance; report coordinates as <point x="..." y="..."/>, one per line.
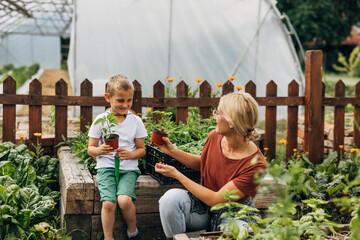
<point x="132" y="127"/>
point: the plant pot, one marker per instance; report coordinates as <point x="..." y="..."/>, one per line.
<point x="157" y="136"/>
<point x="112" y="140"/>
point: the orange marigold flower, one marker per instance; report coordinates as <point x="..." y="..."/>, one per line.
<point x="298" y="155"/>
<point x="307" y="153"/>
<point x="239" y="88"/>
<point x="149" y="110"/>
<point x="189" y="93"/>
<point x="265" y="148"/>
<point x="341" y="146"/>
<point x="265" y="158"/>
<point x="150" y="95"/>
<point x="219" y="84"/>
<point x="199" y="80"/>
<point x="22" y="137"/>
<point x="37" y="134"/>
<point x="283" y="141"/>
<point x="170" y="79"/>
<point x="295" y="150"/>
<point x="354" y="150"/>
<point x="211" y="91"/>
<point x="232" y="78"/>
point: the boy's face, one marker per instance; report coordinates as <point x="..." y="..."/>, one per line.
<point x="120" y="101"/>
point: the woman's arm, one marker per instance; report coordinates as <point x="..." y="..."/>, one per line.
<point x="204" y="194"/>
<point x="188" y="159"/>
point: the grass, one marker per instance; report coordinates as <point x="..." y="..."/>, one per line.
<point x="330" y="79"/>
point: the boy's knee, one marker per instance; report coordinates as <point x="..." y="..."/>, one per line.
<point x="125" y="201"/>
<point x="108" y="206"/>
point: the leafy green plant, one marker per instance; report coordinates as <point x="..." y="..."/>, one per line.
<point x="348" y="66"/>
<point x="108" y="122"/>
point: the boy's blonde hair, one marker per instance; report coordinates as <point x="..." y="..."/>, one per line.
<point x="118" y="82"/>
<point x="241" y="111"/>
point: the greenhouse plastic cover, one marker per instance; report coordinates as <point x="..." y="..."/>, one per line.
<point x="182" y="39"/>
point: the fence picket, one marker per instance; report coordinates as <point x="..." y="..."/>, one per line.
<point x="61" y="89"/>
<point x="35" y="92"/>
<point x="250" y="88"/>
<point x="292" y="120"/>
<point x="159" y="92"/>
<point x="228" y="87"/>
<point x="270" y="122"/>
<point x="137" y="103"/>
<point x="181" y="92"/>
<point x="357" y="116"/>
<point x="205" y="92"/>
<point x="86" y="112"/>
<point x="9" y="112"/>
<point x="339" y="118"/>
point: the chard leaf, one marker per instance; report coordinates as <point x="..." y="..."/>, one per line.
<point x="4" y="155"/>
<point x="332" y="190"/>
<point x="9" y="194"/>
<point x="24" y="217"/>
<point x="27" y="197"/>
<point x="6" y="181"/>
<point x="6" y="168"/>
<point x="42" y="209"/>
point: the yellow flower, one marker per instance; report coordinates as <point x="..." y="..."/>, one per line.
<point x="219" y="84"/>
<point x="189" y="93"/>
<point x="211" y="91"/>
<point x="239" y="88"/>
<point x="341" y="146"/>
<point x="307" y="153"/>
<point x="22" y="137"/>
<point x="295" y="150"/>
<point x="149" y="110"/>
<point x="298" y="155"/>
<point x="37" y="134"/>
<point x="232" y="78"/>
<point x="354" y="150"/>
<point x="199" y="80"/>
<point x="170" y="79"/>
<point x="283" y="141"/>
<point x="265" y="148"/>
<point x="42" y="227"/>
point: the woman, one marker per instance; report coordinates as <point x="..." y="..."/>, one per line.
<point x="225" y="164"/>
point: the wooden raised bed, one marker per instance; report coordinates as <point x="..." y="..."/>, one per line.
<point x="80" y="201"/>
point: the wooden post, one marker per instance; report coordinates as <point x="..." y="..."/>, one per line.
<point x="292" y="120"/>
<point x="137" y="97"/>
<point x="339" y="118"/>
<point x="35" y="92"/>
<point x="205" y="92"/>
<point x="181" y="92"/>
<point x="314" y="128"/>
<point x="228" y="87"/>
<point x="9" y="112"/>
<point x="86" y="112"/>
<point x="357" y="116"/>
<point x="159" y="92"/>
<point x="270" y="122"/>
<point x="61" y="90"/>
<point x="250" y="88"/>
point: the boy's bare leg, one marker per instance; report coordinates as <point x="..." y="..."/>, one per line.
<point x="108" y="218"/>
<point x="128" y="211"/>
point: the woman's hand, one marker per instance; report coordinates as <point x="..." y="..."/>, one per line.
<point x="167" y="147"/>
<point x="166" y="170"/>
<point x="123" y="154"/>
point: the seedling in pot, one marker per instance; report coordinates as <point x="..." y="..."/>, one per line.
<point x="157" y="136"/>
<point x="108" y="123"/>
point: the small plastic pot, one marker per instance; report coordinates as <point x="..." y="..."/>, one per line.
<point x="112" y="140"/>
<point x="157" y="136"/>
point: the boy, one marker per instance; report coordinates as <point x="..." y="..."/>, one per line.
<point x="131" y="131"/>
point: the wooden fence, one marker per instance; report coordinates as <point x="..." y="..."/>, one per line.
<point x="314" y="101"/>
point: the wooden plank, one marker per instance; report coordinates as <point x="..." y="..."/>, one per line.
<point x="61" y="89"/>
<point x="339" y="118"/>
<point x="181" y="236"/>
<point x="181" y="112"/>
<point x="149" y="225"/>
<point x="137" y="103"/>
<point x="292" y="121"/>
<point x="227" y="88"/>
<point x="76" y="223"/>
<point x="205" y="92"/>
<point x="314" y="128"/>
<point x="250" y="88"/>
<point x="270" y="122"/>
<point x="35" y="91"/>
<point x="9" y="112"/>
<point x="76" y="184"/>
<point x="86" y="112"/>
<point x="159" y="92"/>
<point x="357" y="116"/>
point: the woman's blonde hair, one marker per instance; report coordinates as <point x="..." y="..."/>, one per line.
<point x="118" y="82"/>
<point x="241" y="111"/>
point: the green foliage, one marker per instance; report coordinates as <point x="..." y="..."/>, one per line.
<point x="20" y="74"/>
<point x="327" y="21"/>
<point x="108" y="122"/>
<point x="28" y="191"/>
<point x="348" y="66"/>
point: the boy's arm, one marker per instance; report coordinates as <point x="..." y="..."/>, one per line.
<point x="95" y="150"/>
<point x="139" y="152"/>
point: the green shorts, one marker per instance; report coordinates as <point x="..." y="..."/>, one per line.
<point x="105" y="178"/>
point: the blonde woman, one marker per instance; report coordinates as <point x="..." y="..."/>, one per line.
<point x="225" y="164"/>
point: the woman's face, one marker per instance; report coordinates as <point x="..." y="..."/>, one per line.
<point x="223" y="125"/>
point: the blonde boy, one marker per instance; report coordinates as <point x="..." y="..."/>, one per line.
<point x="131" y="131"/>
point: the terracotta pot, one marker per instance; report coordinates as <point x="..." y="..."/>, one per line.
<point x="112" y="140"/>
<point x="157" y="136"/>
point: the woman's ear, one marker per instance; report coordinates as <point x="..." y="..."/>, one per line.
<point x="107" y="97"/>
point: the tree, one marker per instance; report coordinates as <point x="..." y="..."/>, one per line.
<point x="328" y="22"/>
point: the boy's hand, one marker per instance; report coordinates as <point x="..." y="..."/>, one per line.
<point x="105" y="150"/>
<point x="123" y="154"/>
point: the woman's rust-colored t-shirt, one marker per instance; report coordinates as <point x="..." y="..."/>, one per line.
<point x="217" y="170"/>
